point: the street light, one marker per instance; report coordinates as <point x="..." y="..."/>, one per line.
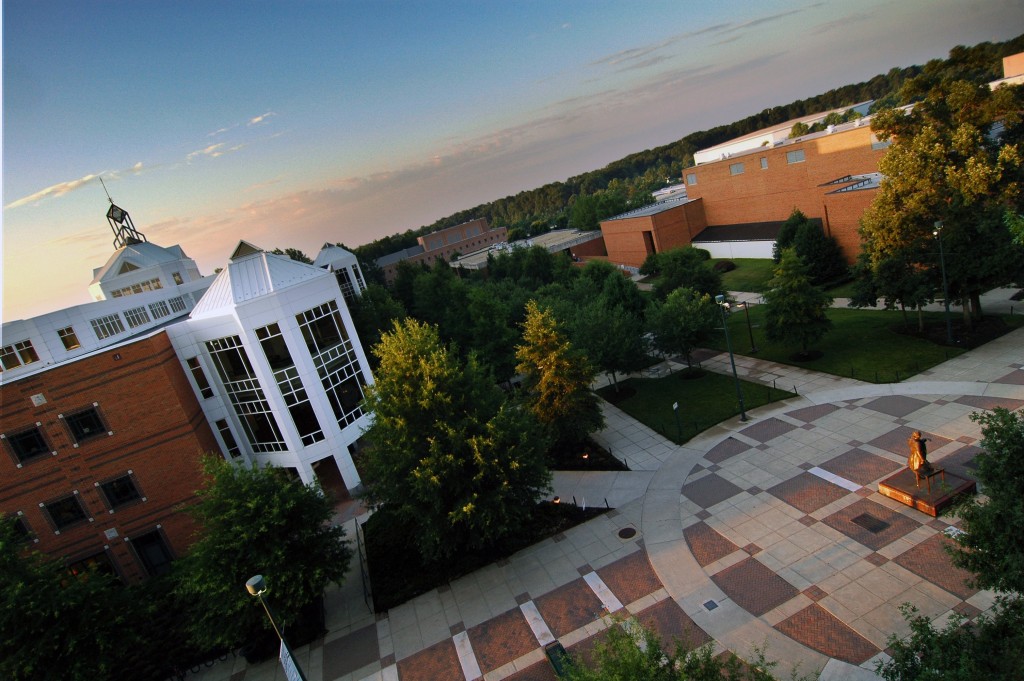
<point x="937" y="233"/>
<point x="720" y="299"/>
<point x="257" y="586"/>
<point x="750" y="329"/>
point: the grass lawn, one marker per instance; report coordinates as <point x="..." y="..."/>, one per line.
<point x="863" y="344"/>
<point x="703" y="401"/>
<point x="751" y="274"/>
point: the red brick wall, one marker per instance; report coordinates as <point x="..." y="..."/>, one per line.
<point x="764" y="195"/>
<point x="159" y="433"/>
<point x="589" y="249"/>
<point x="669" y="229"/>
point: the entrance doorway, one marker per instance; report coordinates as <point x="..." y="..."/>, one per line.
<point x="329" y="476"/>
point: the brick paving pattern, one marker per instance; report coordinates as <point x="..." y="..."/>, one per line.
<point x="1015" y="377"/>
<point x="962" y="462"/>
<point x="706" y="544"/>
<point x="726" y="449"/>
<point x="861" y="467"/>
<point x="807" y="492"/>
<point x="439" y="661"/>
<point x="897" y="525"/>
<point x="817" y="628"/>
<point x="930" y="560"/>
<point x="986" y="402"/>
<point x="754" y="587"/>
<point x="538" y="671"/>
<point x="813" y="413"/>
<point x="630" y="578"/>
<point x="569" y="607"/>
<point x="671" y="624"/>
<point x="768" y="429"/>
<point x="351" y="652"/>
<point x="501" y="639"/>
<point x="898" y="406"/>
<point x="895" y="441"/>
<point x="710" y="490"/>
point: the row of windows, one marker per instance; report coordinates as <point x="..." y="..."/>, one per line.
<point x="16" y="354"/>
<point x="69" y="510"/>
<point x="150" y="285"/>
<point x="111" y="325"/>
<point x="149" y="548"/>
<point x="30" y="443"/>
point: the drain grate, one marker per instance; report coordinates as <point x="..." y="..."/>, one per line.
<point x="870" y="523"/>
<point x="709" y="605"/>
<point x="627" y="533"/>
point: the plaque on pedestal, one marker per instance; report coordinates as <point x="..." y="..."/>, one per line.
<point x="936" y="491"/>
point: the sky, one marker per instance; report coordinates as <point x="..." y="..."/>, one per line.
<point x="295" y="123"/>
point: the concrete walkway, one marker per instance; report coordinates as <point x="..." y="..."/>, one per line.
<point x="769" y="532"/>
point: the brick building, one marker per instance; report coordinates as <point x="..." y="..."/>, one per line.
<point x="443" y="244"/>
<point x="107" y="407"/>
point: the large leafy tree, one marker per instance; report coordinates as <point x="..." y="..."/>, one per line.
<point x="256" y="521"/>
<point x="373" y="312"/>
<point x="448" y="459"/>
<point x="684" y="321"/>
<point x="682" y="267"/>
<point x="795" y="310"/>
<point x="955" y="158"/>
<point x="557" y="379"/>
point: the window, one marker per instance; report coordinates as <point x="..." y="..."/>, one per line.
<point x="108" y="326"/>
<point x="69" y="338"/>
<point x="878" y="145"/>
<point x="159" y="309"/>
<point x="27" y="444"/>
<point x="691" y="178"/>
<point x="137" y="316"/>
<point x="228" y="437"/>
<point x="99" y="563"/>
<point x="85" y="424"/>
<point x="335" y="360"/>
<point x="348" y="289"/>
<point x="177" y="304"/>
<point x="22" y="532"/>
<point x="153" y="553"/>
<point x="19" y="353"/>
<point x="292" y="390"/>
<point x="65" y="512"/>
<point x="795" y="156"/>
<point x="246" y="394"/>
<point x="764" y="163"/>
<point x="200" y="376"/>
<point x="150" y="285"/>
<point x="736" y="169"/>
<point x="120" y="491"/>
<point x="177" y="278"/>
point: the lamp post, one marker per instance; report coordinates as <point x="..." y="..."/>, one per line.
<point x="720" y="299"/>
<point x="750" y="329"/>
<point x="679" y="424"/>
<point x="937" y="233"/>
<point x="257" y="586"/>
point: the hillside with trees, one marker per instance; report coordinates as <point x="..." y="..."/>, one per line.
<point x="582" y="200"/>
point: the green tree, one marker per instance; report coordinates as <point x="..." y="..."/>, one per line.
<point x="946" y="164"/>
<point x="799" y="129"/>
<point x="294" y="254"/>
<point x="610" y="336"/>
<point x="256" y="521"/>
<point x="373" y="312"/>
<point x="557" y="379"/>
<point x="795" y="310"/>
<point x="682" y="267"/>
<point x="684" y="321"/>
<point x="54" y="625"/>
<point x="630" y="651"/>
<point x="991" y="546"/>
<point x="447" y="457"/>
<point x="822" y="254"/>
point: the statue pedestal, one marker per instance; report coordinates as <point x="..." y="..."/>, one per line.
<point x="934" y="494"/>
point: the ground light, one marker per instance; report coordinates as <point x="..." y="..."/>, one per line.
<point x="257" y="586"/>
<point x="720" y="299"/>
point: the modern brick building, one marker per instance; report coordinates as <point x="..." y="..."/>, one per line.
<point x="443" y="244"/>
<point x="106" y="408"/>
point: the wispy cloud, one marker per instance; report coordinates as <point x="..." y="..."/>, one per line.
<point x="842" y="23"/>
<point x="221" y="131"/>
<point x="213" y="151"/>
<point x="261" y="118"/>
<point x="59" y="189"/>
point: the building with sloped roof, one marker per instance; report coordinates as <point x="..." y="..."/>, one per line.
<point x="106" y="408"/>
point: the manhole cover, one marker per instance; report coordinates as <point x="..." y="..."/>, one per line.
<point x="627" y="533"/>
<point x="870" y="523"/>
<point x="709" y="605"/>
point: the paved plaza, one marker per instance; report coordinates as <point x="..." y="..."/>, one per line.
<point x="769" y="533"/>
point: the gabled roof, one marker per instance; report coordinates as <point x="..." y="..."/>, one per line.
<point x="136" y="256"/>
<point x="334" y="255"/>
<point x="250" y="274"/>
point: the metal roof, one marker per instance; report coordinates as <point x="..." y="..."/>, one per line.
<point x="652" y="209"/>
<point x="252" y="276"/>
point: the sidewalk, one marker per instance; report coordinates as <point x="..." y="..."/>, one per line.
<point x="750" y="533"/>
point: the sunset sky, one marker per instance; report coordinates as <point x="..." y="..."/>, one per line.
<point x="289" y="124"/>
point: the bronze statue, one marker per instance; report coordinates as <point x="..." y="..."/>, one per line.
<point x="918" y="460"/>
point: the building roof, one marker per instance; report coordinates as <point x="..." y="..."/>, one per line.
<point x="391" y="258"/>
<point x="554" y="241"/>
<point x="252" y="273"/>
<point x="747" y="231"/>
<point x="334" y="255"/>
<point x="139" y="255"/>
<point x="653" y="209"/>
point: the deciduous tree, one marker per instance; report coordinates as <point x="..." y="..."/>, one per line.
<point x="684" y="321"/>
